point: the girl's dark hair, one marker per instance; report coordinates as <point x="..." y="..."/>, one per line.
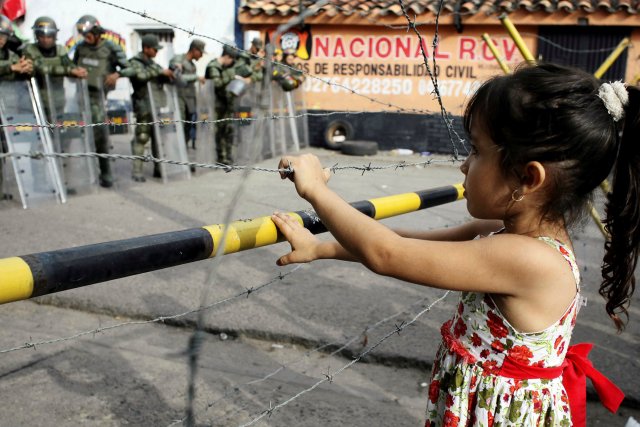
<point x="552" y="114"/>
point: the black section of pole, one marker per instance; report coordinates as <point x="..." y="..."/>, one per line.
<point x="65" y="269"/>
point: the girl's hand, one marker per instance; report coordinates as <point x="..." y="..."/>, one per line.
<point x="308" y="173"/>
<point x="303" y="243"/>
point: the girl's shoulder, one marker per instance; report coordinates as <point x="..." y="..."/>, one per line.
<point x="536" y="258"/>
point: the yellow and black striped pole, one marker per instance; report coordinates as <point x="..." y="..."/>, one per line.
<point x="45" y="273"/>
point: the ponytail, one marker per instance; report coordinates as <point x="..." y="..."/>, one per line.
<point x="623" y="218"/>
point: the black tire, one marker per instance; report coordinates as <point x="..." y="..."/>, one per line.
<point x="336" y="132"/>
<point x="359" y="148"/>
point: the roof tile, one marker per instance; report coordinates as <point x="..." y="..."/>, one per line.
<point x="419" y="7"/>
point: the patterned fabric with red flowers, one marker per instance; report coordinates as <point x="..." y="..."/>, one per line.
<point x="466" y="388"/>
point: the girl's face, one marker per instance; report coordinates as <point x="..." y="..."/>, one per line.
<point x="487" y="191"/>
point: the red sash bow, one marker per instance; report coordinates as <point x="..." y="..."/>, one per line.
<point x="575" y="370"/>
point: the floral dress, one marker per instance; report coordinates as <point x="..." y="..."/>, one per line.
<point x="466" y="387"/>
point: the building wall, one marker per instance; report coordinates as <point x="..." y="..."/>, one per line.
<point x="387" y="65"/>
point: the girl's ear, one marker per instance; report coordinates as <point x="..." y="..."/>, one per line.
<point x="533" y="177"/>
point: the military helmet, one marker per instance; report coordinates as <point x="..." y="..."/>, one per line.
<point x="6" y="27"/>
<point x="230" y="50"/>
<point x="243" y="70"/>
<point x="45" y="26"/>
<point x="88" y="24"/>
<point x="288" y="83"/>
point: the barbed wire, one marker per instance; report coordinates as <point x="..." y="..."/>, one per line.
<point x="192" y="33"/>
<point x="448" y="121"/>
<point x="164" y="122"/>
<point x="161" y="319"/>
<point x="232" y="389"/>
<point x="329" y="377"/>
<point x="38" y="155"/>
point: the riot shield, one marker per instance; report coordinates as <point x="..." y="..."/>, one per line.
<point x="66" y="102"/>
<point x="206" y="132"/>
<point x="246" y="138"/>
<point x="168" y="131"/>
<point x="280" y="126"/>
<point x="300" y="111"/>
<point x="33" y="181"/>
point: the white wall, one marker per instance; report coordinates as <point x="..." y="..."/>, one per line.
<point x="214" y="18"/>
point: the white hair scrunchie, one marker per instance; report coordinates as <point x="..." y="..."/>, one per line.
<point x="615" y="97"/>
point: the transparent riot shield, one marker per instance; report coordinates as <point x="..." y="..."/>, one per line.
<point x="66" y="103"/>
<point x="168" y="131"/>
<point x="119" y="112"/>
<point x="285" y="129"/>
<point x="32" y="181"/>
<point x="277" y="125"/>
<point x="245" y="136"/>
<point x="206" y="132"/>
<point x="300" y="111"/>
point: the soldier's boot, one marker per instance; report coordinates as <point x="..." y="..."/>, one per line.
<point x="137" y="148"/>
<point x="106" y="179"/>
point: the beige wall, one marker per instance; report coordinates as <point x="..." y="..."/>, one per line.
<point x="386" y="64"/>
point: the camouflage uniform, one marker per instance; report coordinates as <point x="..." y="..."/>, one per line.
<point x="100" y="60"/>
<point x="145" y="70"/>
<point x="53" y="62"/>
<point x="221" y="76"/>
<point x="7" y="59"/>
<point x="253" y="64"/>
<point x="186" y="92"/>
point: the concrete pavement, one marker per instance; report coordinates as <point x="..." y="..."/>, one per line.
<point x="136" y="374"/>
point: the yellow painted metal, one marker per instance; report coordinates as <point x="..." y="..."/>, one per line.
<point x="246" y="234"/>
<point x="496" y="54"/>
<point x="515" y="35"/>
<point x="258" y="232"/>
<point x="17" y="280"/>
<point x="396" y="205"/>
<point x="624" y="43"/>
<point x="460" y="189"/>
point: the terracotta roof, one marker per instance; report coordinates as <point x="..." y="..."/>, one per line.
<point x="419" y="7"/>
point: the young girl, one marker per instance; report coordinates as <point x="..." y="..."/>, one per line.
<point x="542" y="139"/>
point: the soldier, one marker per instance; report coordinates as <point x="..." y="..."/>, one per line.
<point x="185" y="72"/>
<point x="250" y="60"/>
<point x="105" y="62"/>
<point x="11" y="67"/>
<point x="51" y="59"/>
<point x="288" y="76"/>
<point x="222" y="72"/>
<point x="146" y="70"/>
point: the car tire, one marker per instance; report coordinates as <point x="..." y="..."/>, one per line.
<point x="336" y="133"/>
<point x="359" y="148"/>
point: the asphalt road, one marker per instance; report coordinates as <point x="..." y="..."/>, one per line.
<point x="293" y="336"/>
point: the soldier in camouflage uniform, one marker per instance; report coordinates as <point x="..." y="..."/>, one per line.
<point x="105" y="62"/>
<point x="51" y="59"/>
<point x="286" y="74"/>
<point x="250" y="60"/>
<point x="185" y="72"/>
<point x="222" y="71"/>
<point x="11" y="67"/>
<point x="146" y="70"/>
